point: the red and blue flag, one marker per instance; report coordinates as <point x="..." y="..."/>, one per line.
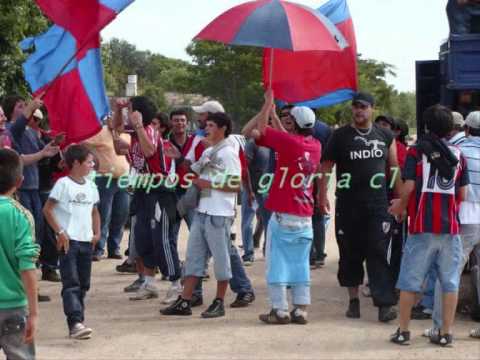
<point x="67" y="63"/>
<point x="317" y="78"/>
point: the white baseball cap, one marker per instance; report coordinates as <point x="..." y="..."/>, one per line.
<point x="212" y="107"/>
<point x="473" y="120"/>
<point x="458" y="119"/>
<point x="38" y="114"/>
<point x="304" y="117"/>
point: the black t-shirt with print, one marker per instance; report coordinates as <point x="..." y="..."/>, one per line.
<point x="361" y="159"/>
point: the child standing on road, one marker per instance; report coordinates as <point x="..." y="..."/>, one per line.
<point x="18" y="254"/>
<point x="71" y="211"/>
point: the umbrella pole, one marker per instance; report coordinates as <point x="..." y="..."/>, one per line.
<point x="272" y="54"/>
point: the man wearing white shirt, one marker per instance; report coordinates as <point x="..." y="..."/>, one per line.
<point x="219" y="172"/>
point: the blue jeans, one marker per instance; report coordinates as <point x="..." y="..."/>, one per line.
<point x="460" y="16"/>
<point x="429" y="290"/>
<point x="75" y="271"/>
<point x="49" y="254"/>
<point x="248" y="214"/>
<point x="470" y="235"/>
<point x="113" y="208"/>
<point x="278" y="296"/>
<point x="12" y="325"/>
<point x="30" y="199"/>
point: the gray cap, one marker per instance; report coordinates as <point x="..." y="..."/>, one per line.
<point x="473" y="120"/>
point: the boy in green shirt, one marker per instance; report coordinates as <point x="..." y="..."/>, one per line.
<point x="18" y="254"/>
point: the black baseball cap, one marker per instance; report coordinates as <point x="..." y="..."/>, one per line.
<point x="364" y="99"/>
<point x="388" y="119"/>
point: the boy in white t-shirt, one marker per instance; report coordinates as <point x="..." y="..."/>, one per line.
<point x="71" y="211"/>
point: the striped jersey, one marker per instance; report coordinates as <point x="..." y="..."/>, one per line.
<point x="433" y="206"/>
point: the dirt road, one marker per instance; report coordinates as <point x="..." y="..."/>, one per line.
<point x="135" y="330"/>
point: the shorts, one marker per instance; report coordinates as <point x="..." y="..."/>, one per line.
<point x="422" y="251"/>
<point x="209" y="235"/>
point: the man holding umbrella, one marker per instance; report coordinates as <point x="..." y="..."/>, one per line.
<point x="289" y="235"/>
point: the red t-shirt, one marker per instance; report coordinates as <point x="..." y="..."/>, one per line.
<point x="298" y="159"/>
<point x="182" y="171"/>
<point x="401" y="154"/>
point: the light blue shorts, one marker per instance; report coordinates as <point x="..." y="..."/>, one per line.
<point x="443" y="252"/>
<point x="209" y="235"/>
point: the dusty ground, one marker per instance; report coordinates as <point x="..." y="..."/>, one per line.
<point x="135" y="330"/>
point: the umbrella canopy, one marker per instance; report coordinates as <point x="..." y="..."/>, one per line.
<point x="275" y="24"/>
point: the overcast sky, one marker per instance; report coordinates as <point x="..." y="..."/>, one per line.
<point x="397" y="32"/>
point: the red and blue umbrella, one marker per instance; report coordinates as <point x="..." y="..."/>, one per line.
<point x="275" y="24"/>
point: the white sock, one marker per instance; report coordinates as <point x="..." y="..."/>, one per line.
<point x="300" y="312"/>
<point x="176" y="284"/>
<point x="149" y="280"/>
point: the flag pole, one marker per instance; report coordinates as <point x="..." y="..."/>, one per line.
<point x="272" y="54"/>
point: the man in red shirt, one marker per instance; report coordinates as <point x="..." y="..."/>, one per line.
<point x="290" y="199"/>
<point x="435" y="182"/>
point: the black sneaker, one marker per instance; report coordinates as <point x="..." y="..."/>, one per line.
<point x="273" y="318"/>
<point x="180" y="307"/>
<point x="418" y="313"/>
<point x="401" y="337"/>
<point x="115" y="256"/>
<point x="50" y="275"/>
<point x="386" y="314"/>
<point x="216" y="309"/>
<point x="197" y="300"/>
<point x="248" y="260"/>
<point x="243" y="300"/>
<point x="321" y="262"/>
<point x="353" y="311"/>
<point x="298" y="316"/>
<point x="442" y="339"/>
<point x="126" y="268"/>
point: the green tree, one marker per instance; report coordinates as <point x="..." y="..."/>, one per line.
<point x="18" y="19"/>
<point x="232" y="75"/>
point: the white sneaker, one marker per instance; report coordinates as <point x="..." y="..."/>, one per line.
<point x="366" y="291"/>
<point x="146" y="292"/>
<point x="428" y="333"/>
<point x="80" y="332"/>
<point x="475" y="333"/>
<point x="172" y="294"/>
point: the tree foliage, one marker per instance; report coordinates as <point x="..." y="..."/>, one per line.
<point x="156" y="73"/>
<point x="18" y="20"/>
<point x="232" y="75"/>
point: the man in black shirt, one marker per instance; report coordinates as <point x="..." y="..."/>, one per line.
<point x="362" y="152"/>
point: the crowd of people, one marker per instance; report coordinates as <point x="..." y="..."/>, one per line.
<point x="409" y="214"/>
